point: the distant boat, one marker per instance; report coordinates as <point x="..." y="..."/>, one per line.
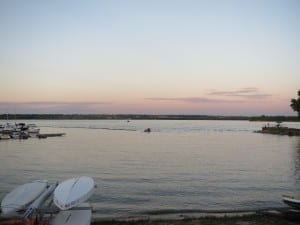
<point x="148" y="130"/>
<point x="292" y="201"/>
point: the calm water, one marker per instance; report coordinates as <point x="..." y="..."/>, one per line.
<point x="180" y="165"/>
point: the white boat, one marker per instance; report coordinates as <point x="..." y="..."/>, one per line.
<point x="23" y="195"/>
<point x="1" y="127"/>
<point x="15" y="135"/>
<point x="73" y="192"/>
<point x="4" y="137"/>
<point x="33" y="130"/>
<point x="69" y="194"/>
<point x="8" y="128"/>
<point x="293" y="201"/>
<point x="81" y="216"/>
<point x="33" y="207"/>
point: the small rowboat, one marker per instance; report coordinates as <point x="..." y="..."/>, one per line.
<point x="30" y="198"/>
<point x="23" y="195"/>
<point x="292" y="201"/>
<point x="73" y="192"/>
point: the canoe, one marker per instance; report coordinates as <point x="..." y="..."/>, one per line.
<point x="81" y="216"/>
<point x="73" y="192"/>
<point x="291" y="201"/>
<point x="23" y="195"/>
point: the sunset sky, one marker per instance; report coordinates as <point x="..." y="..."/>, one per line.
<point x="218" y="57"/>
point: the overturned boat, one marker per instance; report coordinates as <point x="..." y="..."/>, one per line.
<point x="32" y="202"/>
<point x="293" y="201"/>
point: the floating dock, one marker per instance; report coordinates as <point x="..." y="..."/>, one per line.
<point x="51" y="135"/>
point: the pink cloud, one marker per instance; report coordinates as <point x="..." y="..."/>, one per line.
<point x="196" y="100"/>
<point x="50" y="107"/>
<point x="246" y="93"/>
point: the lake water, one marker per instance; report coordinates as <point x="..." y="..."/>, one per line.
<point x="181" y="165"/>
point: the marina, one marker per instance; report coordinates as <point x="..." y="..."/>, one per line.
<point x="23" y="131"/>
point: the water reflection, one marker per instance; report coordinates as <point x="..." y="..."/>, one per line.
<point x="189" y="164"/>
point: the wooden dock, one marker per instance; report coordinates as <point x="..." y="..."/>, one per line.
<point x="51" y="135"/>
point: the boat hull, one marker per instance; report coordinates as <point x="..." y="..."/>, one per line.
<point x="292" y="201"/>
<point x="74" y="216"/>
<point x="23" y="195"/>
<point x="73" y="192"/>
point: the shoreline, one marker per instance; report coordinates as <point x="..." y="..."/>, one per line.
<point x="281" y="216"/>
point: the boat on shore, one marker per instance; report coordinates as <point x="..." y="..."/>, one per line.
<point x="31" y="202"/>
<point x="20" y="197"/>
<point x="293" y="201"/>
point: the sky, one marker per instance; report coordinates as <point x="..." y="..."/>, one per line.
<point x="217" y="57"/>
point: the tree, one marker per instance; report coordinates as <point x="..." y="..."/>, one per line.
<point x="295" y="104"/>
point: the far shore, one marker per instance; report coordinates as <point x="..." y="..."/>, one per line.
<point x="129" y="117"/>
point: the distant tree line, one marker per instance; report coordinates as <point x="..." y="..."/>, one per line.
<point x="295" y="105"/>
<point x="140" y="117"/>
<point x="275" y="118"/>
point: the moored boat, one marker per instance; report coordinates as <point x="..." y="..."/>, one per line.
<point x="33" y="130"/>
<point x="4" y="136"/>
<point x="18" y="131"/>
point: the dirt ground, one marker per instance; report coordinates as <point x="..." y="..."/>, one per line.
<point x="256" y="219"/>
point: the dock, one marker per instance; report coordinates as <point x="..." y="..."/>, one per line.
<point x="51" y="135"/>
